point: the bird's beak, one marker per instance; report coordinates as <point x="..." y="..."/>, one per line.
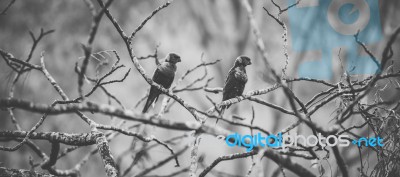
<point x="249" y="63"/>
<point x="179" y="59"/>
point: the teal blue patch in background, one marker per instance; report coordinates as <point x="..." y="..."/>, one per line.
<point x="311" y="31"/>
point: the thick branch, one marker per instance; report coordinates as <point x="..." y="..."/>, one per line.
<point x="21" y="173"/>
<point x="82" y="139"/>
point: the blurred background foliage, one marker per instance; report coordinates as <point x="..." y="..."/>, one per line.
<point x="218" y="28"/>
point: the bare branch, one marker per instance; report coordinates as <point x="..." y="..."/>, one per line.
<point x="21" y="172"/>
<point x="147" y="19"/>
<point x="4" y="12"/>
<point x="224" y="158"/>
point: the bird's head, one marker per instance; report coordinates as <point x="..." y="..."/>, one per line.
<point x="242" y="61"/>
<point x="173" y="58"/>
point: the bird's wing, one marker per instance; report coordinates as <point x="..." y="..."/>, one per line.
<point x="233" y="86"/>
<point x="164" y="80"/>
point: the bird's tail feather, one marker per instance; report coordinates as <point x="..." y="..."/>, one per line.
<point x="149" y="102"/>
<point x="145" y="108"/>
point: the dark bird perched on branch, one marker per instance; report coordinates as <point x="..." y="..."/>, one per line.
<point x="236" y="80"/>
<point x="164" y="76"/>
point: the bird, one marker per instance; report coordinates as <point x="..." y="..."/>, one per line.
<point x="164" y="76"/>
<point x="235" y="81"/>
